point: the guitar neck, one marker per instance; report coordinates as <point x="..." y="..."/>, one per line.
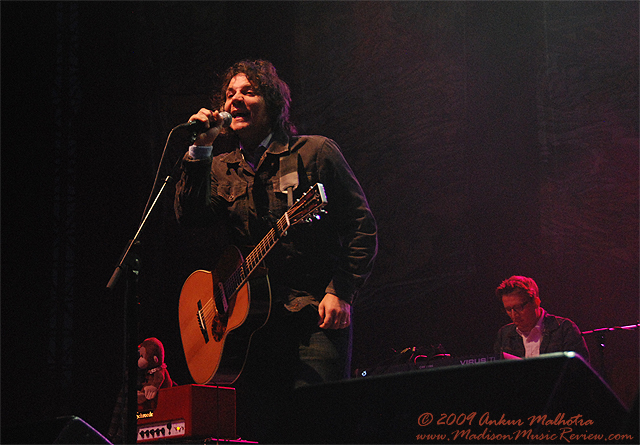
<point x="307" y="206"/>
<point x="244" y="271"/>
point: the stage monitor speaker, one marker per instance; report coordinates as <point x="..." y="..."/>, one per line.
<point x="61" y="430"/>
<point x="553" y="398"/>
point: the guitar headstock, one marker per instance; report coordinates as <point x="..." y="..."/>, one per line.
<point x="309" y="205"/>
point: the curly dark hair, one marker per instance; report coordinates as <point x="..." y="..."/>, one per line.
<point x="263" y="77"/>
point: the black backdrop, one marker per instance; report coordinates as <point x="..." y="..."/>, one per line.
<point x="492" y="139"/>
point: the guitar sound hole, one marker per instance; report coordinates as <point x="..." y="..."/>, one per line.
<point x="218" y="327"/>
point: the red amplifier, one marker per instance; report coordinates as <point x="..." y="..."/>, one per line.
<point x="190" y="411"/>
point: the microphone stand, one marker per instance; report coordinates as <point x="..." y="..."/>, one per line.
<point x="602" y="341"/>
<point x="129" y="267"/>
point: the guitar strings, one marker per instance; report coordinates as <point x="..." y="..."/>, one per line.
<point x="240" y="275"/>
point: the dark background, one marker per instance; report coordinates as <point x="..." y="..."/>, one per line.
<point x="491" y="138"/>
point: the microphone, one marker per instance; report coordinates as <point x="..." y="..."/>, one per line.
<point x="200" y="127"/>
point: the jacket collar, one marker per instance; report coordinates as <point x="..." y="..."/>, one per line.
<point x="549" y="324"/>
<point x="279" y="144"/>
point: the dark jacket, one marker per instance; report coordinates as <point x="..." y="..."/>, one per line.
<point x="558" y="335"/>
<point x="333" y="254"/>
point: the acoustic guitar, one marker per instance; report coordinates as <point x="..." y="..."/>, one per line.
<point x="220" y="310"/>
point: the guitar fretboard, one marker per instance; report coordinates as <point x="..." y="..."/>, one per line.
<point x="244" y="271"/>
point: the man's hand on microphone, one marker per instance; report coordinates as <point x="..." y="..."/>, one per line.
<point x="213" y="121"/>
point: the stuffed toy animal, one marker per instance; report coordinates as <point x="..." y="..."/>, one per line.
<point x="153" y="372"/>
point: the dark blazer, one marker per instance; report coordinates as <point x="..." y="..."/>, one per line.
<point x="558" y="334"/>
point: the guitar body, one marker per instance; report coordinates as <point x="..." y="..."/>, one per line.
<point x="216" y="341"/>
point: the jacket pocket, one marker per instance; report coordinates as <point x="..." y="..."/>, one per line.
<point x="230" y="192"/>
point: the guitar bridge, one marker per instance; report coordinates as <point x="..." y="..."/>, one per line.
<point x="202" y="323"/>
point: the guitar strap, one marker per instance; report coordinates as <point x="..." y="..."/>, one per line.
<point x="288" y="176"/>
